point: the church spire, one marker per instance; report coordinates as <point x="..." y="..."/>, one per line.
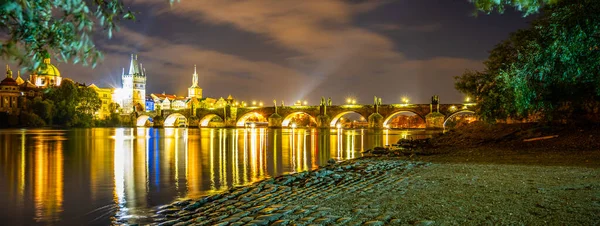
<point x="8" y="72"/>
<point x="195" y="78"/>
<point x="134" y="66"/>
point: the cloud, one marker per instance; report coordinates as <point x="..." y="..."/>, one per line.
<point x="412" y="28"/>
<point x="326" y="54"/>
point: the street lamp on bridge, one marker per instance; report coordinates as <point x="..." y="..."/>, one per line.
<point x="350" y="100"/>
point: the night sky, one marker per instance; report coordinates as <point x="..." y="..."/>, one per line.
<point x="291" y="50"/>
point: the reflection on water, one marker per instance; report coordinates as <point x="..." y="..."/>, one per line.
<point x="99" y="176"/>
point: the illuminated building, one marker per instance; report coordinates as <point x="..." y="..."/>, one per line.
<point x="9" y="94"/>
<point x="106" y="97"/>
<point x="149" y="103"/>
<point x="195" y="90"/>
<point x="132" y="96"/>
<point x="168" y="101"/>
<point x="46" y="74"/>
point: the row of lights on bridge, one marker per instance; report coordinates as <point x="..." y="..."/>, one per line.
<point x="349" y="100"/>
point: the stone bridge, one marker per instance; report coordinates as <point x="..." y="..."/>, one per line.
<point x="169" y="118"/>
<point x="377" y="116"/>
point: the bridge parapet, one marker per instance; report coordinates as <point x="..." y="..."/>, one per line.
<point x="380" y="114"/>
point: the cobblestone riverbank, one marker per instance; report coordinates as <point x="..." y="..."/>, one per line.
<point x="393" y="191"/>
<point x="294" y="199"/>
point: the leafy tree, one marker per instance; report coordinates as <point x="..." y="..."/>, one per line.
<point x="526" y="6"/>
<point x="74" y="105"/>
<point x="89" y="102"/>
<point x="29" y="119"/>
<point x="550" y="69"/>
<point x="64" y="28"/>
<point x="43" y="109"/>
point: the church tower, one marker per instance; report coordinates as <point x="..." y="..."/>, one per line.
<point x="195" y="90"/>
<point x="134" y="87"/>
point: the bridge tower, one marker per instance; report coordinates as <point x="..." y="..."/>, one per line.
<point x="134" y="87"/>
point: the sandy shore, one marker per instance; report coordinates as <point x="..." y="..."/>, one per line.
<point x="394" y="191"/>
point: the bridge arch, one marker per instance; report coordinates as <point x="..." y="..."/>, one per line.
<point x="387" y="120"/>
<point x="205" y="121"/>
<point x="337" y="117"/>
<point x="288" y="118"/>
<point x="241" y="122"/>
<point x="453" y="115"/>
<point x="175" y="120"/>
<point x="142" y="120"/>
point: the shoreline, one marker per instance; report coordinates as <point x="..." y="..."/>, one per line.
<point x="379" y="190"/>
<point x="269" y="201"/>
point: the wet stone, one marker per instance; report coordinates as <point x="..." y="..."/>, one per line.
<point x="307" y="219"/>
<point x="333" y="217"/>
<point x="374" y="223"/>
<point x="384" y="218"/>
<point x="269" y="217"/>
<point x="258" y="222"/>
<point x="324" y="209"/>
<point x="425" y="223"/>
<point x="343" y="220"/>
<point x="200" y="219"/>
<point x="167" y="211"/>
<point x="241" y="214"/>
<point x="268" y="210"/>
<point x="256" y="208"/>
<point x="280" y="223"/>
<point x="311" y="207"/>
<point x="231" y="219"/>
<point x="322" y="220"/>
<point x="318" y="214"/>
<point x="396" y="222"/>
<point x="169" y="223"/>
<point x="302" y="212"/>
<point x="284" y="212"/>
<point x="246" y="219"/>
<point x="204" y="223"/>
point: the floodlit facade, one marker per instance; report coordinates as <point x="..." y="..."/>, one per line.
<point x="106" y="96"/>
<point x="132" y="96"/>
<point x="46" y="75"/>
<point x="9" y="94"/>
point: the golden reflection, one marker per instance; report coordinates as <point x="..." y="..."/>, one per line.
<point x="235" y="154"/>
<point x="245" y="156"/>
<point x="253" y="155"/>
<point x="362" y="140"/>
<point x="386" y="139"/>
<point x="48" y="180"/>
<point x="193" y="164"/>
<point x="211" y="151"/>
<point x="144" y="160"/>
<point x="119" y="167"/>
<point x="21" y="181"/>
<point x="313" y="150"/>
<point x="261" y="151"/>
<point x="100" y="161"/>
<point x="223" y="160"/>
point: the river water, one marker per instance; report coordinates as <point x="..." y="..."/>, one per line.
<point x="103" y="176"/>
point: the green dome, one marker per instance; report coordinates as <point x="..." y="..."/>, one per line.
<point x="47" y="69"/>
